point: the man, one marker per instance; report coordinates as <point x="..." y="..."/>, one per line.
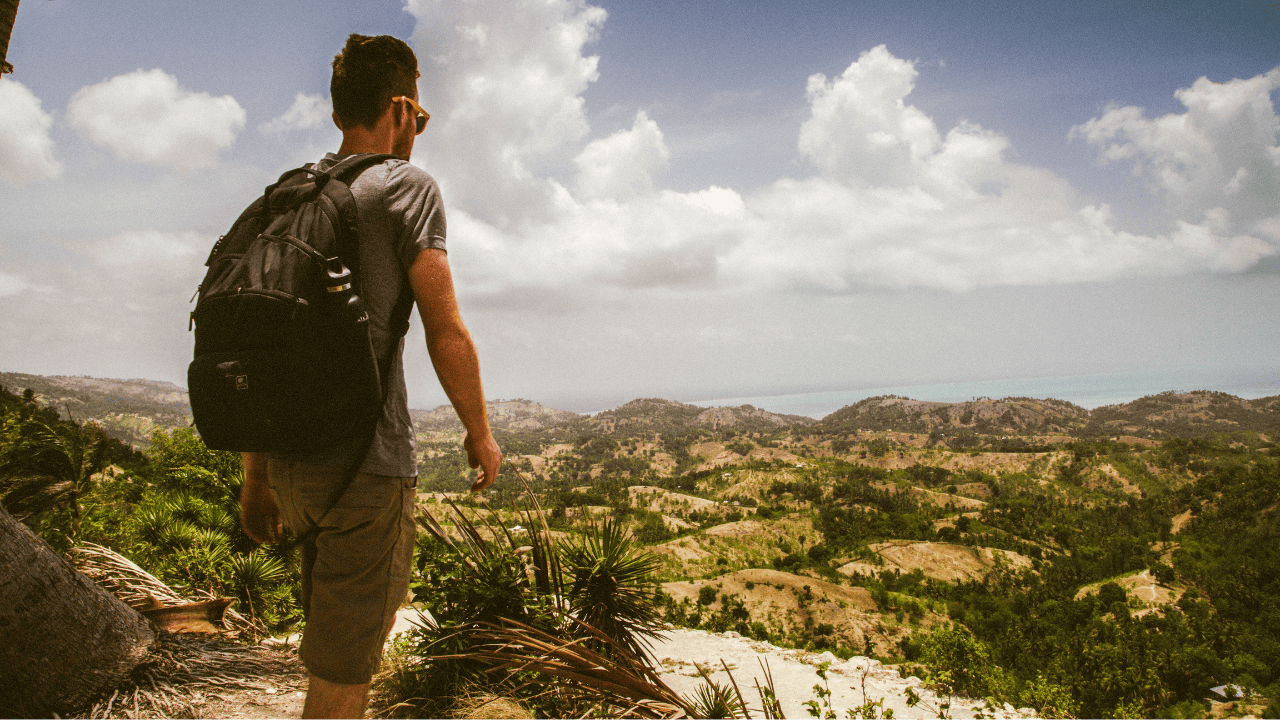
<point x="355" y="572"/>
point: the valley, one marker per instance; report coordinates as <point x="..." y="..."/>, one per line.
<point x="1119" y="561"/>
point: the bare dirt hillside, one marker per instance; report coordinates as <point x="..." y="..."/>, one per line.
<point x="1146" y="594"/>
<point x="781" y="602"/>
<point x="940" y="561"/>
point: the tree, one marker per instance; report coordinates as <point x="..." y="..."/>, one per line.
<point x="8" y="12"/>
<point x="63" y="639"/>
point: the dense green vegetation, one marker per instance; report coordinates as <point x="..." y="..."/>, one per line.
<point x="174" y="510"/>
<point x="1184" y="487"/>
<point x="1093" y="654"/>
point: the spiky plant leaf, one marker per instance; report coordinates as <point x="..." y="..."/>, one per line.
<point x="611" y="580"/>
<point x="219" y="518"/>
<point x="176" y="534"/>
<point x="581" y="677"/>
<point x="257" y="571"/>
<point x="187" y="506"/>
<point x="210" y="538"/>
<point x="713" y="700"/>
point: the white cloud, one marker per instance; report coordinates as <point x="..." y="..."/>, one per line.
<point x="11" y="285"/>
<point x="116" y="304"/>
<point x="306" y="112"/>
<point x="860" y="130"/>
<point x="161" y="252"/>
<point x="895" y="202"/>
<point x="26" y="150"/>
<point x="1224" y="151"/>
<point x="622" y="165"/>
<point x="145" y="116"/>
<point x="504" y="83"/>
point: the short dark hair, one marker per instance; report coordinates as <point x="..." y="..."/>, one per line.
<point x="367" y="74"/>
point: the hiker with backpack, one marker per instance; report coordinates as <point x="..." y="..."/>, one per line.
<point x="298" y="364"/>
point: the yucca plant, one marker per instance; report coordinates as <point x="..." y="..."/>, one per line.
<point x="176" y="534"/>
<point x="210" y="538"/>
<point x="186" y="505"/>
<point x="254" y="578"/>
<point x="560" y="625"/>
<point x="196" y="567"/>
<point x="713" y="700"/>
<point x="610" y="581"/>
<point x="582" y="680"/>
<point x="219" y="518"/>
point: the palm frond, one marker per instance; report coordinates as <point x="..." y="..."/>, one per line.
<point x="619" y="680"/>
<point x="44" y="466"/>
<point x="139" y="589"/>
<point x="25" y="496"/>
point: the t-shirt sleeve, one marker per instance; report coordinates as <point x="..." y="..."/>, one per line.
<point x="414" y="203"/>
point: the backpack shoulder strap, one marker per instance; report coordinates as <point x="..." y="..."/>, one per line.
<point x="352" y="165"/>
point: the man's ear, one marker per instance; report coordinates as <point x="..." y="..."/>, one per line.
<point x="336" y="121"/>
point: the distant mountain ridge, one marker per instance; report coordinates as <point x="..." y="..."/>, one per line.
<point x="1188" y="414"/>
<point x="1011" y="416"/>
<point x="669" y="416"/>
<point x="1168" y="414"/>
<point x="128" y="410"/>
<point x="517" y="414"/>
<point x="131" y="410"/>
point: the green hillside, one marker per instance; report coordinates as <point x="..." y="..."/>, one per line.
<point x="1113" y="563"/>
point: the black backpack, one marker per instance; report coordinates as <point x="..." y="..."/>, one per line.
<point x="283" y="358"/>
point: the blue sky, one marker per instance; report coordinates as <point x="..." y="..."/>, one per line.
<point x="690" y="200"/>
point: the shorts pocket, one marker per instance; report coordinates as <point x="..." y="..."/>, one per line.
<point x="371" y="491"/>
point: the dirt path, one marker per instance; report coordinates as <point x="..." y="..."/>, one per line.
<point x="276" y="700"/>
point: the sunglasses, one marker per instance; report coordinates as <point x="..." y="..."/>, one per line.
<point x="420" y="122"/>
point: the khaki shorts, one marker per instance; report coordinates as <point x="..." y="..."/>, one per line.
<point x="355" y="571"/>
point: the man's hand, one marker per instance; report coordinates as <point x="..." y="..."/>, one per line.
<point x="484" y="454"/>
<point x="259" y="513"/>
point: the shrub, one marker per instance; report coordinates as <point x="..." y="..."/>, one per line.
<point x="955" y="658"/>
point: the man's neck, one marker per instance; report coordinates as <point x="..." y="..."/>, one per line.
<point x="386" y="136"/>
<point x="362" y="141"/>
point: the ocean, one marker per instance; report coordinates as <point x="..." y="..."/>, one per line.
<point x="1088" y="391"/>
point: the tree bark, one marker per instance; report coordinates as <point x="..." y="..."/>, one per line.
<point x="64" y="641"/>
<point x="8" y="13"/>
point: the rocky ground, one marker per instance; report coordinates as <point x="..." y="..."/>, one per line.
<point x="794" y="675"/>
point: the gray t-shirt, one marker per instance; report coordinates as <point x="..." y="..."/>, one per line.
<point x="401" y="214"/>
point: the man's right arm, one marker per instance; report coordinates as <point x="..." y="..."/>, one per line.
<point x="453" y="355"/>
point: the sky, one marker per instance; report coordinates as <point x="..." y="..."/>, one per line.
<point x="691" y="199"/>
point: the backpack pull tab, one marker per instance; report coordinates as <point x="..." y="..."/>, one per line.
<point x="339" y="276"/>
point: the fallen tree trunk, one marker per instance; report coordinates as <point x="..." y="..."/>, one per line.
<point x="63" y="640"/>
